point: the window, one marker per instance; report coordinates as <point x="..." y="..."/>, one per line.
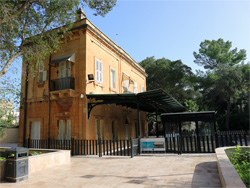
<point x="126" y="86"/>
<point x="135" y="87"/>
<point x="142" y="89"/>
<point x="99" y="129"/>
<point x="64" y="69"/>
<point x="35" y="130"/>
<point x="113" y="78"/>
<point x="42" y="75"/>
<point x="114" y="135"/>
<point x="64" y="129"/>
<point x="98" y="71"/>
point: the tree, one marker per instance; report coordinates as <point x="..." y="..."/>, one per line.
<point x="212" y="53"/>
<point x="173" y="76"/>
<point x="191" y="106"/>
<point x="32" y="29"/>
<point x="224" y="83"/>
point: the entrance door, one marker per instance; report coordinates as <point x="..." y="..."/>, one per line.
<point x="35" y="130"/>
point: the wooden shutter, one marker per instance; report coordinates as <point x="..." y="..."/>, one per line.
<point x="142" y="89"/>
<point x="135" y="87"/>
<point x="40" y="73"/>
<point x="35" y="130"/>
<point x="62" y="69"/>
<point x="126" y="86"/>
<point x="113" y="79"/>
<point x="61" y="130"/>
<point x="44" y="75"/>
<point x="68" y="69"/>
<point x="100" y="72"/>
<point x="96" y="71"/>
<point x="68" y="130"/>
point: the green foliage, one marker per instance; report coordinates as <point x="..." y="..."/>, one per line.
<point x="225" y="86"/>
<point x="35" y="153"/>
<point x="33" y="29"/>
<point x="215" y="52"/>
<point x="102" y="7"/>
<point x="191" y="106"/>
<point x="241" y="163"/>
<point x="2" y="158"/>
<point x="173" y="76"/>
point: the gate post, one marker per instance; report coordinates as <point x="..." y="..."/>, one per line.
<point x="48" y="143"/>
<point x="166" y="144"/>
<point x="180" y="145"/>
<point x="72" y="147"/>
<point x="100" y="147"/>
<point x="28" y="142"/>
<point x="139" y="145"/>
<point x="132" y="155"/>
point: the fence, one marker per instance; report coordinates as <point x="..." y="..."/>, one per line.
<point x="89" y="147"/>
<point x="173" y="144"/>
<point x="205" y="143"/>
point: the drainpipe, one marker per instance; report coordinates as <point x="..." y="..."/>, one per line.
<point x="49" y="99"/>
<point x="25" y="103"/>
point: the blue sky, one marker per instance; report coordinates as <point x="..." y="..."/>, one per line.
<point x="172" y="29"/>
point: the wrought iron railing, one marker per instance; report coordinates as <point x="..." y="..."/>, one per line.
<point x="62" y="83"/>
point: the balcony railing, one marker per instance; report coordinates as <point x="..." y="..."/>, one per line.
<point x="62" y="83"/>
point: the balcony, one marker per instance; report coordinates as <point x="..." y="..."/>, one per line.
<point x="62" y="84"/>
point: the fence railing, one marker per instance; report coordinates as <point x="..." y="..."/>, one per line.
<point x="62" y="83"/>
<point x="173" y="143"/>
<point x="88" y="147"/>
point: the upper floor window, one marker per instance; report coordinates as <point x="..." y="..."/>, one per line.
<point x="135" y="87"/>
<point x="98" y="71"/>
<point x="113" y="78"/>
<point x="142" y="89"/>
<point x="42" y="75"/>
<point x="126" y="86"/>
<point x="64" y="69"/>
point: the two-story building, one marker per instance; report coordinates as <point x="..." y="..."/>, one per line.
<point x="91" y="88"/>
<point x="56" y="105"/>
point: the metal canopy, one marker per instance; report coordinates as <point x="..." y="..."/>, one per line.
<point x="150" y="101"/>
<point x="69" y="57"/>
<point x="189" y="116"/>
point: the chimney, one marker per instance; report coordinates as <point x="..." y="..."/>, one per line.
<point x="80" y="14"/>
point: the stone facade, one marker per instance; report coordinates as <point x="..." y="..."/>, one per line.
<point x="62" y="111"/>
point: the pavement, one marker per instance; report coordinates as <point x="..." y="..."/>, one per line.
<point x="151" y="170"/>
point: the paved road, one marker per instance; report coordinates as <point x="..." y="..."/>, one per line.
<point x="162" y="170"/>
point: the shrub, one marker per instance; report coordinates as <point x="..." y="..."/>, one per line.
<point x="241" y="163"/>
<point x="35" y="153"/>
<point x="2" y="158"/>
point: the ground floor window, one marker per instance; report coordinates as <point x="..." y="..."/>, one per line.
<point x="35" y="130"/>
<point x="114" y="132"/>
<point x="64" y="129"/>
<point x="99" y="129"/>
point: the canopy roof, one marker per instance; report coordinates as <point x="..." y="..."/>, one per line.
<point x="68" y="57"/>
<point x="189" y="116"/>
<point x="150" y="101"/>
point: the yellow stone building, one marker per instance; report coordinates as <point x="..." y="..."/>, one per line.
<point x="57" y="106"/>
